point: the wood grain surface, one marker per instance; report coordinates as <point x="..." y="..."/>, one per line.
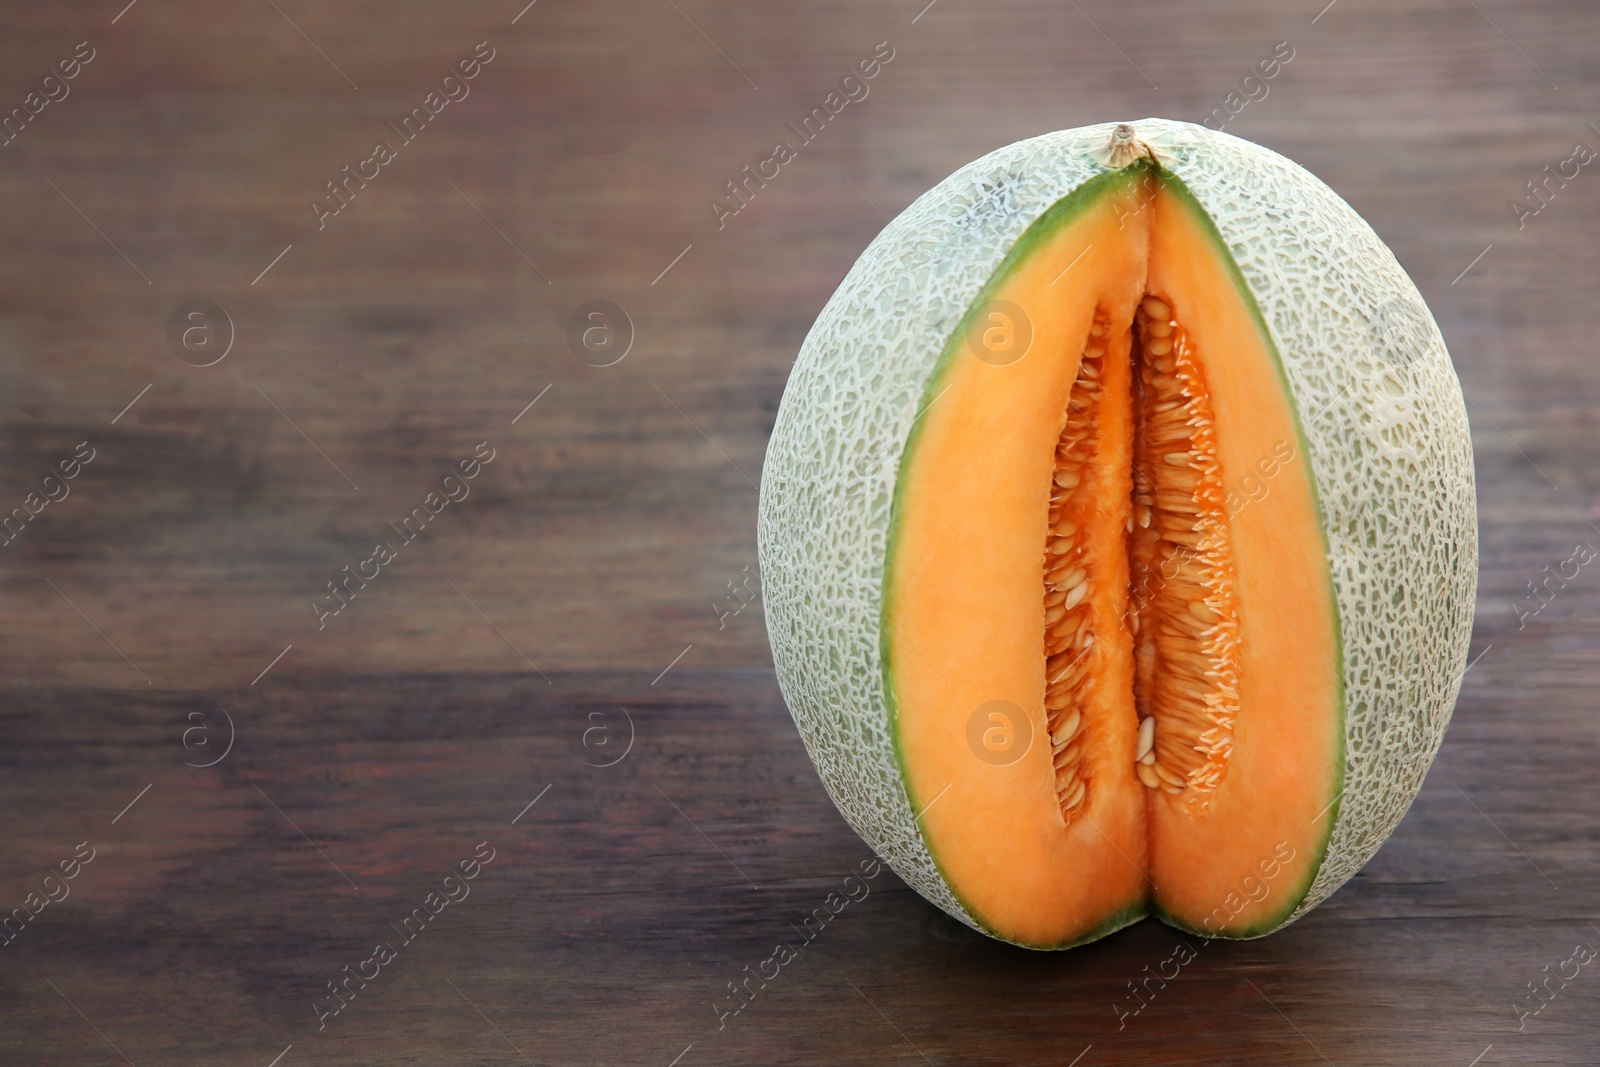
<point x="577" y="607"/>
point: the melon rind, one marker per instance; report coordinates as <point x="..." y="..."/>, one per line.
<point x="1378" y="402"/>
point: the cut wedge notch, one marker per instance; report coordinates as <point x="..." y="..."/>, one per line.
<point x="1169" y="751"/>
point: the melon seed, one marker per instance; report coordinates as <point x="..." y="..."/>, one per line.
<point x="1168" y="777"/>
<point x="1069" y="725"/>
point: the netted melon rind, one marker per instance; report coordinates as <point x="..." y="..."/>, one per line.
<point x="1384" y="425"/>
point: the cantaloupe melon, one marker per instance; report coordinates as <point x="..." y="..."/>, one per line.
<point x="1118" y="538"/>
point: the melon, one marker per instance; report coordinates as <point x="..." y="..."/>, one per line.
<point x="1117" y="538"/>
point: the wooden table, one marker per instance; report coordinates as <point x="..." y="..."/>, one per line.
<point x="165" y="607"/>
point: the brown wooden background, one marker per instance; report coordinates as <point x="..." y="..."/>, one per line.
<point x="595" y="550"/>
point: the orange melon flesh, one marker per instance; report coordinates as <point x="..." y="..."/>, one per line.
<point x="965" y="629"/>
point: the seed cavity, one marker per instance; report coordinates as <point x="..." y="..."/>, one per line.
<point x="1182" y="609"/>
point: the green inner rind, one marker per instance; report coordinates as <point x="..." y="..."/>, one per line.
<point x="1060" y="214"/>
